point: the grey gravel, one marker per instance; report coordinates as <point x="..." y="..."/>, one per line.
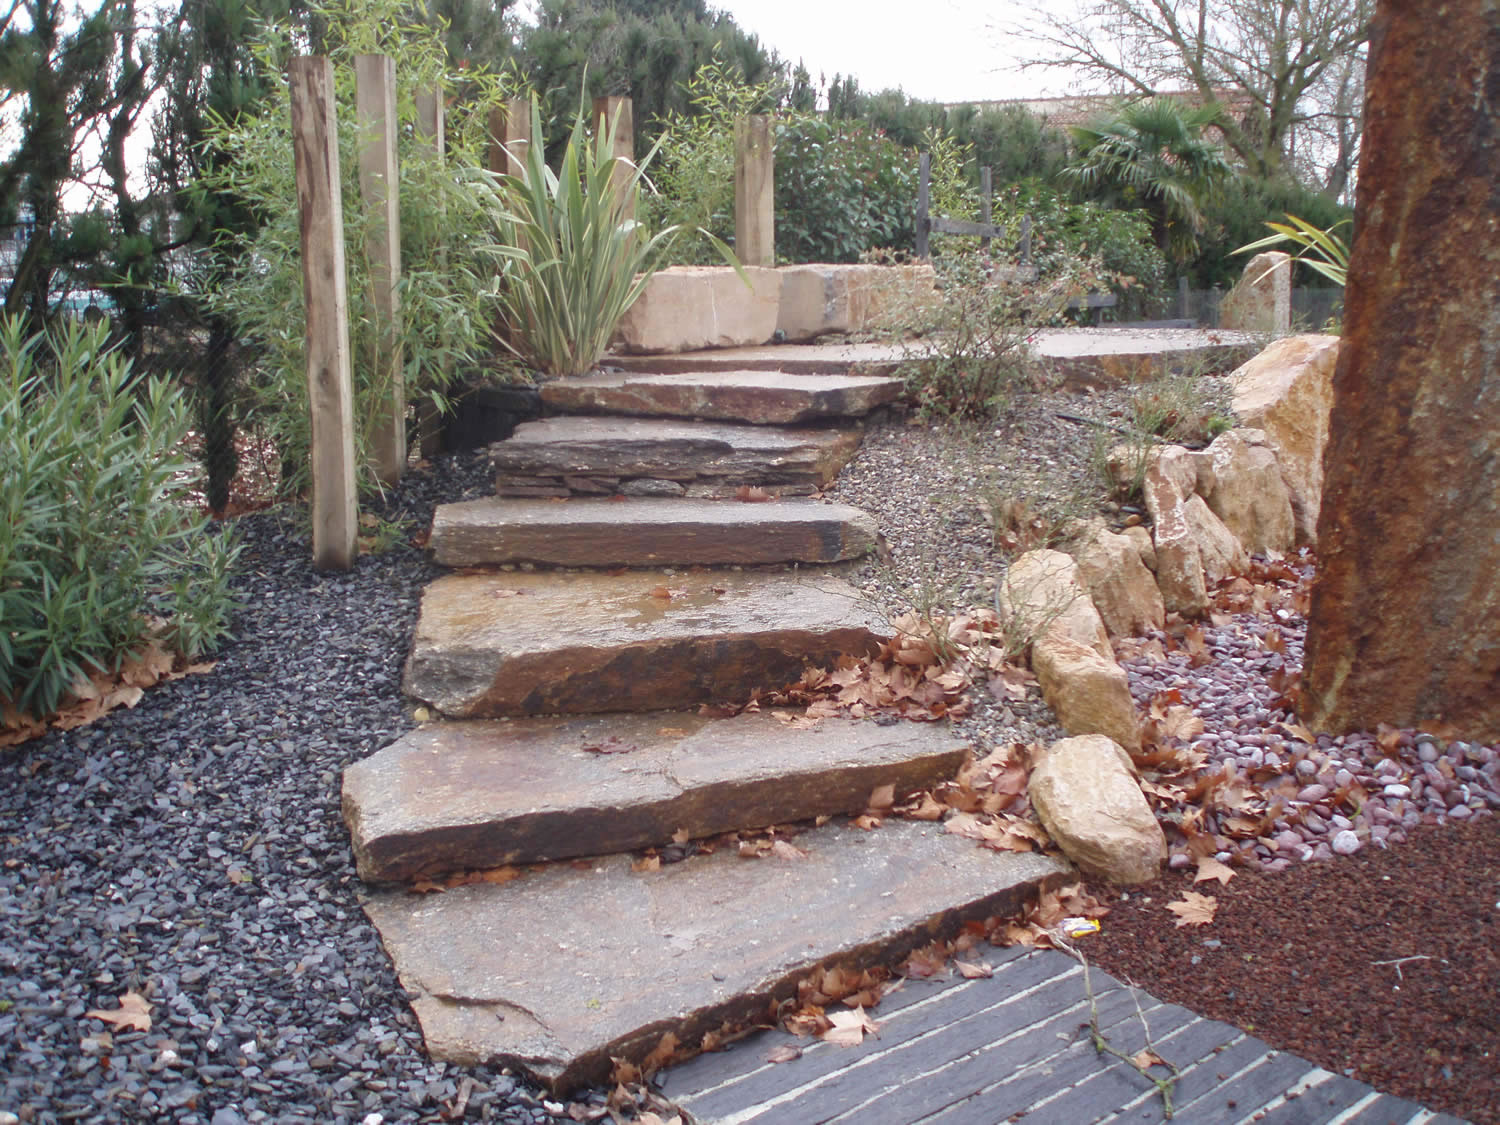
<point x="192" y="850"/>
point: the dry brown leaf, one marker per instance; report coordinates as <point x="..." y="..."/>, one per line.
<point x="849" y="1028"/>
<point x="783" y="850"/>
<point x="785" y="1053"/>
<point x="1211" y="868"/>
<point x="752" y="494"/>
<point x="973" y="970"/>
<point x="1146" y="1058"/>
<point x="646" y="863"/>
<point x="662" y="1055"/>
<point x="134" y="1012"/>
<point x="882" y="798"/>
<point x="1194" y="909"/>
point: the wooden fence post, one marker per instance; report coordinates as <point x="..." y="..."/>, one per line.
<point x="924" y="206"/>
<point x="430" y="112"/>
<point x="510" y="133"/>
<point x="986" y="196"/>
<point x="754" y="191"/>
<point x="375" y="103"/>
<point x="618" y="113"/>
<point x="330" y="394"/>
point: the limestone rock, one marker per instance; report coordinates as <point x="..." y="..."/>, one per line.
<point x="1261" y="300"/>
<point x="1141" y="538"/>
<point x="684" y="308"/>
<point x="1121" y="588"/>
<point x="1239" y="477"/>
<point x="820" y="299"/>
<point x="1220" y="552"/>
<point x="1085" y="792"/>
<point x="1042" y="590"/>
<point x="1090" y="693"/>
<point x="1179" y="565"/>
<point x="1287" y="391"/>
<point x="1171" y="477"/>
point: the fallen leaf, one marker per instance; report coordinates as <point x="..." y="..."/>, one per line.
<point x="849" y="1028"/>
<point x="882" y="798"/>
<point x="784" y="1053"/>
<point x="783" y="850"/>
<point x="973" y="970"/>
<point x="1211" y="868"/>
<point x="1146" y="1058"/>
<point x="1194" y="909"/>
<point x="134" y="1012"/>
<point x="752" y="494"/>
<point x="646" y="863"/>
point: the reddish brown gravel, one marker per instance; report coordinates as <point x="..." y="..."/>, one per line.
<point x="1295" y="957"/>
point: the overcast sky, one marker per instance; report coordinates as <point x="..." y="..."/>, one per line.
<point x="942" y="50"/>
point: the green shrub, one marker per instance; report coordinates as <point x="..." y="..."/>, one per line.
<point x="446" y="278"/>
<point x="96" y="536"/>
<point x="1239" y="216"/>
<point x="573" y="262"/>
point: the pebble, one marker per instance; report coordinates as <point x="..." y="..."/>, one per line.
<point x="1397" y="790"/>
<point x="1345" y="843"/>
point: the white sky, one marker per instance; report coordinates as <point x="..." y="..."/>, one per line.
<point x="939" y="50"/>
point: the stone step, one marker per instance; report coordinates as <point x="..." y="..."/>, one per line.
<point x="488" y="793"/>
<point x="573" y="964"/>
<point x="757" y="397"/>
<point x="647" y="532"/>
<point x="582" y="455"/>
<point x="492" y="645"/>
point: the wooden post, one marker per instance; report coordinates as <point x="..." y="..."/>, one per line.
<point x="1182" y="297"/>
<point x="510" y="133"/>
<point x="986" y="196"/>
<point x="375" y="103"/>
<point x="330" y="393"/>
<point x="429" y="128"/>
<point x="754" y="192"/>
<point x="1025" y="246"/>
<point x="617" y="114"/>
<point x="924" y="188"/>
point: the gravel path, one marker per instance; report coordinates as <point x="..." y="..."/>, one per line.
<point x="192" y="850"/>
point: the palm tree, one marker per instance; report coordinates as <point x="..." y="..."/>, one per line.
<point x="1153" y="155"/>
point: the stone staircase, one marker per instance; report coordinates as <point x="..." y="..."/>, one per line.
<point x="571" y="737"/>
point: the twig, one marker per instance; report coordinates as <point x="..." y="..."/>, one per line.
<point x="1103" y="1046"/>
<point x="1127" y="431"/>
<point x="1399" y="961"/>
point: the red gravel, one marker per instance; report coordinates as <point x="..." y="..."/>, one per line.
<point x="1297" y="964"/>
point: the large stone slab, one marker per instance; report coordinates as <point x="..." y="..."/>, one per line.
<point x="755" y="397"/>
<point x="563" y="969"/>
<point x="1261" y="301"/>
<point x="683" y="308"/>
<point x="647" y="532"/>
<point x="661" y="449"/>
<point x="818" y="299"/>
<point x="491" y="645"/>
<point x="489" y="793"/>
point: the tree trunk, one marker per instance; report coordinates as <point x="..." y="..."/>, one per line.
<point x="1405" y="621"/>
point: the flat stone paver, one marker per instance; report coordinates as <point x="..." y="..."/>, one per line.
<point x="511" y="644"/>
<point x="573" y="964"/>
<point x="686" y="452"/>
<point x="1015" y="1047"/>
<point x="640" y="531"/>
<point x="488" y="793"/>
<point x="754" y="397"/>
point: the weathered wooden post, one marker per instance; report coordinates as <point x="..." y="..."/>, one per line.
<point x="430" y="112"/>
<point x="375" y="104"/>
<point x="510" y="133"/>
<point x="330" y="392"/>
<point x="617" y="114"/>
<point x="986" y="198"/>
<point x="924" y="205"/>
<point x="754" y="191"/>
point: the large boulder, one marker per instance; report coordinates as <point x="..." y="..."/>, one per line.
<point x="819" y="299"/>
<point x="1239" y="478"/>
<point x="1287" y="391"/>
<point x="1089" y="693"/>
<point x="1261" y="300"/>
<point x="1045" y="597"/>
<point x="1085" y="792"/>
<point x="1122" y="589"/>
<point x="1219" y="549"/>
<point x="686" y="308"/>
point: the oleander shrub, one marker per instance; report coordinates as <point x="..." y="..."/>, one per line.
<point x="99" y="545"/>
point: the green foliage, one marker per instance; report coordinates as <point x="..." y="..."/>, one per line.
<point x="1322" y="251"/>
<point x="445" y="274"/>
<point x="1238" y="217"/>
<point x="970" y="355"/>
<point x="96" y="532"/>
<point x="949" y="191"/>
<point x="1119" y="242"/>
<point x="1153" y="155"/>
<point x="1014" y="143"/>
<point x="573" y="260"/>
<point x="841" y="190"/>
<point x="694" y="168"/>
